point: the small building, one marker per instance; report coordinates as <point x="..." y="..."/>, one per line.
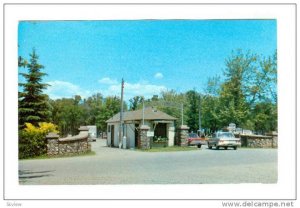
<point x="160" y="123"/>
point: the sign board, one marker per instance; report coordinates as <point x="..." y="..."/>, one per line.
<point x="150" y="133"/>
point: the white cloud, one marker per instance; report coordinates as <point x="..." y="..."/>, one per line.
<point x="158" y="75"/>
<point x="107" y="80"/>
<point x="61" y="89"/>
<point x="134" y="89"/>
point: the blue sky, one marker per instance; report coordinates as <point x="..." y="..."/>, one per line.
<point x="86" y="57"/>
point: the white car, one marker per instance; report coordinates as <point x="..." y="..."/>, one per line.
<point x="223" y="139"/>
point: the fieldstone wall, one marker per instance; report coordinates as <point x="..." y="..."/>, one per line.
<point x="182" y="135"/>
<point x="256" y="141"/>
<point x="143" y="140"/>
<point x="71" y="146"/>
<point x="68" y="146"/>
<point x="52" y="144"/>
<point x="275" y="141"/>
<point x="274" y="136"/>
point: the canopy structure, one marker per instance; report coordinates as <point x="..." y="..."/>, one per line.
<point x="150" y="113"/>
<point x="158" y="124"/>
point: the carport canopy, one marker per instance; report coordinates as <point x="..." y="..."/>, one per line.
<point x="150" y="114"/>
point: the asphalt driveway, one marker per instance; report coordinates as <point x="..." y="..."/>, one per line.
<point x="118" y="166"/>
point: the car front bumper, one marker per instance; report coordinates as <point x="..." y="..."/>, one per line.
<point x="229" y="144"/>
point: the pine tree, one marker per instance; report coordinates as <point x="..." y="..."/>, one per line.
<point x="33" y="104"/>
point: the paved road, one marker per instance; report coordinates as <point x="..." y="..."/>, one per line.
<point x="117" y="166"/>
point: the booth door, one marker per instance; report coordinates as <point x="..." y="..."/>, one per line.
<point x="136" y="135"/>
<point x="112" y="133"/>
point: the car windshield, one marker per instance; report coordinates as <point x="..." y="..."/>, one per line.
<point x="193" y="135"/>
<point x="225" y="134"/>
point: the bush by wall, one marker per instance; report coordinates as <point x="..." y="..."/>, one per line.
<point x="32" y="140"/>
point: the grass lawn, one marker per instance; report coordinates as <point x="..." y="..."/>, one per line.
<point x="41" y="157"/>
<point x="169" y="149"/>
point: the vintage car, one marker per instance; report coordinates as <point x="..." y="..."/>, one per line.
<point x="194" y="140"/>
<point x="223" y="139"/>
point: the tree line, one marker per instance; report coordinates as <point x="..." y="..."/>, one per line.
<point x="245" y="94"/>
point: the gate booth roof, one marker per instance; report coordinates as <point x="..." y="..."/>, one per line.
<point x="150" y="113"/>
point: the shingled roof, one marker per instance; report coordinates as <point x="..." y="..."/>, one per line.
<point x="137" y="115"/>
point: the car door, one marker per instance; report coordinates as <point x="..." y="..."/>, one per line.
<point x="213" y="140"/>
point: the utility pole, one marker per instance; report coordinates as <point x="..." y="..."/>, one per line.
<point x="143" y="113"/>
<point x="182" y="114"/>
<point x="200" y="114"/>
<point x="121" y="116"/>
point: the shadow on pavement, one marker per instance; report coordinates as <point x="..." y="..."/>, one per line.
<point x="26" y="174"/>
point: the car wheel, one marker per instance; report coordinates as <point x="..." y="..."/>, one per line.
<point x="209" y="147"/>
<point x="234" y="148"/>
<point x="199" y="145"/>
<point x="217" y="147"/>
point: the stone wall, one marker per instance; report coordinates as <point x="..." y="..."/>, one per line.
<point x="255" y="141"/>
<point x="275" y="141"/>
<point x="71" y="146"/>
<point x="143" y="140"/>
<point x="182" y="135"/>
<point x="52" y="144"/>
<point x="68" y="146"/>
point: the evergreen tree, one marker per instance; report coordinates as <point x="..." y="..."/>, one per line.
<point x="33" y="104"/>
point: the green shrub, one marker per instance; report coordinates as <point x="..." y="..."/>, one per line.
<point x="31" y="144"/>
<point x="32" y="141"/>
